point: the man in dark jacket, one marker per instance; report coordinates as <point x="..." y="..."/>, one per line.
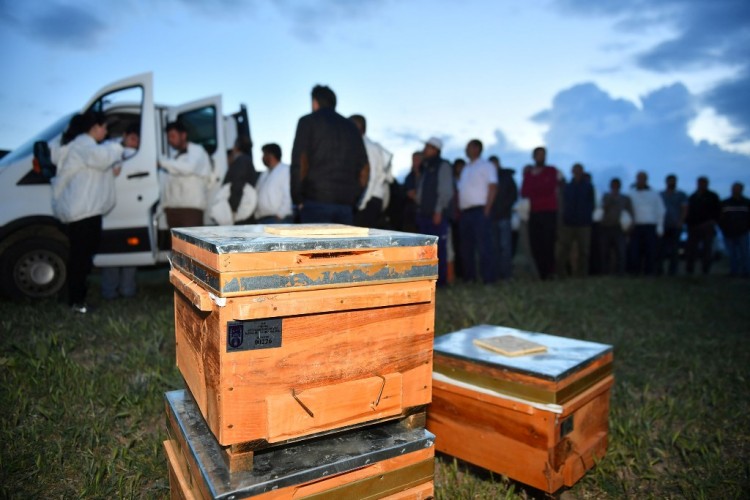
<point x="578" y="207"/>
<point x="735" y="225"/>
<point x="241" y="171"/>
<point x="502" y="211"/>
<point x="704" y="210"/>
<point x="434" y="196"/>
<point x="329" y="167"/>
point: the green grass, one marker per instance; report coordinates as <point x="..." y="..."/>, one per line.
<point x="83" y="413"/>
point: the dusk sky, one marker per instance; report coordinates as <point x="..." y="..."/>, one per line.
<point x="620" y="86"/>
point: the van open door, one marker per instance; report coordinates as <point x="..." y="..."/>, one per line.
<point x="126" y="229"/>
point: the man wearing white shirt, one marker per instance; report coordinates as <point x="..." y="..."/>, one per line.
<point x="477" y="188"/>
<point x="274" y="194"/>
<point x="186" y="184"/>
<point x="371" y="204"/>
<point x="648" y="225"/>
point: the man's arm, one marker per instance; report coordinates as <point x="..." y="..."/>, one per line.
<point x="299" y="166"/>
<point x="491" y="193"/>
<point x="189" y="163"/>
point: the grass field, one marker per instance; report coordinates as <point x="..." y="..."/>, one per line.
<point x="83" y="413"/>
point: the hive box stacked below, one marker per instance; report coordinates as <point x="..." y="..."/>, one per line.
<point x="386" y="460"/>
<point x="281" y="337"/>
<point x="541" y="419"/>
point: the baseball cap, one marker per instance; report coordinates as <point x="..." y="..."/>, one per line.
<point x="435" y="142"/>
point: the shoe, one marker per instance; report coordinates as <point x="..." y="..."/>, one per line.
<point x="80" y="308"/>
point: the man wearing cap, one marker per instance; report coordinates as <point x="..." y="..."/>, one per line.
<point x="434" y="195"/>
<point x="477" y="188"/>
<point x="329" y="168"/>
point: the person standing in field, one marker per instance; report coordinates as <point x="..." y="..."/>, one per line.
<point x="329" y="169"/>
<point x="371" y="205"/>
<point x="540" y="186"/>
<point x="477" y="188"/>
<point x="241" y="171"/>
<point x="675" y="203"/>
<point x="434" y="197"/>
<point x="186" y="185"/>
<point x="648" y="221"/>
<point x="502" y="212"/>
<point x="578" y="208"/>
<point x="120" y="281"/>
<point x="735" y="225"/>
<point x="617" y="218"/>
<point x="82" y="192"/>
<point x="704" y="210"/>
<point x="274" y="196"/>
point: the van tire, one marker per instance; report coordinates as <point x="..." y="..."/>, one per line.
<point x="34" y="268"/>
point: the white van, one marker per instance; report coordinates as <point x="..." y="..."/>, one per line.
<point x="33" y="245"/>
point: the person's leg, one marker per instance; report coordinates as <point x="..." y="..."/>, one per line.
<point x="469" y="248"/>
<point x="673" y="235"/>
<point x="505" y="248"/>
<point x="584" y="246"/>
<point x="634" y="250"/>
<point x="691" y="249"/>
<point x="84" y="238"/>
<point x="563" y="245"/>
<point x="549" y="238"/>
<point x="110" y="282"/>
<point x="127" y="281"/>
<point x="649" y="242"/>
<point x="620" y="247"/>
<point x="535" y="228"/>
<point x="368" y="216"/>
<point x="744" y="254"/>
<point x="486" y="262"/>
<point x="708" y="249"/>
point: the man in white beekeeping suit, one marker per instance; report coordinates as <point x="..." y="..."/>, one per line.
<point x="375" y="198"/>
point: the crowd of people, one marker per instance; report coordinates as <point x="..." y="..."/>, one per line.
<point x="563" y="226"/>
<point x="337" y="174"/>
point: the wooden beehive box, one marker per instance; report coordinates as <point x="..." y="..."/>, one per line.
<point x="284" y="336"/>
<point x="387" y="461"/>
<point x="541" y="419"/>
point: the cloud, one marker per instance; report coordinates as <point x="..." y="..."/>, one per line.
<point x="311" y="17"/>
<point x="55" y="24"/>
<point x="706" y="34"/>
<point x="616" y="137"/>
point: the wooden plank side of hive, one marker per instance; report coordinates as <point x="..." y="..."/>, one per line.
<point x="497" y="438"/>
<point x="324" y="353"/>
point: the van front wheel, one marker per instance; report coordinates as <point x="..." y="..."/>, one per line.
<point x="34" y="268"/>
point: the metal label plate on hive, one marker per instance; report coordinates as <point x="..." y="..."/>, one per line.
<point x="253" y="334"/>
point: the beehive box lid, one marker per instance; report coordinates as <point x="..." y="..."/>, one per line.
<point x="293" y="464"/>
<point x="564" y="369"/>
<point x="237" y="260"/>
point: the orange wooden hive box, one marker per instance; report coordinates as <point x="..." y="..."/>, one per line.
<point x="384" y="461"/>
<point x="541" y="419"/>
<point x="286" y="331"/>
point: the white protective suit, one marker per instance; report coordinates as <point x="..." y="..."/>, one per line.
<point x="274" y="194"/>
<point x="379" y="159"/>
<point x="187" y="179"/>
<point x="84" y="185"/>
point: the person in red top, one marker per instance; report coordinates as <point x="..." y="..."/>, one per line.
<point x="540" y="186"/>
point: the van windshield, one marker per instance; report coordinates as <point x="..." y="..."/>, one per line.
<point x="46" y="135"/>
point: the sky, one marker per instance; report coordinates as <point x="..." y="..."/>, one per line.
<point x="617" y="85"/>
